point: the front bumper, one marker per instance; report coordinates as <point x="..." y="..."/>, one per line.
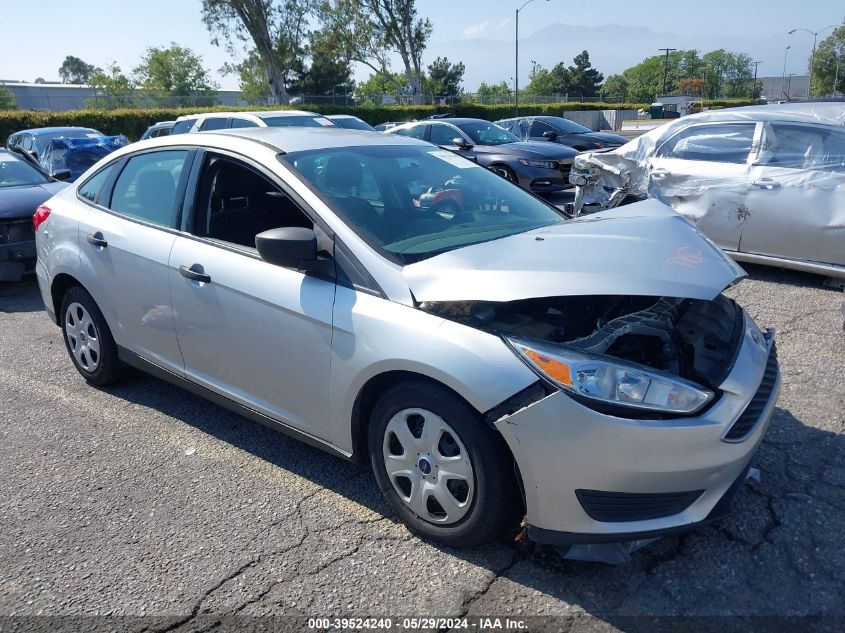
<point x="564" y="449"/>
<point x="541" y="180"/>
<point x="16" y="259"/>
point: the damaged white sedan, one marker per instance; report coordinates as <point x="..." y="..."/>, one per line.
<point x="765" y="183"/>
<point x="491" y="361"/>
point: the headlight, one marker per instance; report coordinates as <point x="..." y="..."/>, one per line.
<point x="546" y="164"/>
<point x="608" y="380"/>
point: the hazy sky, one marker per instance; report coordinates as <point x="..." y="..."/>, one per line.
<point x="38" y="34"/>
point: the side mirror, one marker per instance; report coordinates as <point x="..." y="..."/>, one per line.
<point x="550" y="134"/>
<point x="289" y="246"/>
<point x="460" y="143"/>
<point x="62" y="174"/>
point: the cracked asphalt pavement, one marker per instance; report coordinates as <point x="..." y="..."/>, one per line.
<point x="144" y="500"/>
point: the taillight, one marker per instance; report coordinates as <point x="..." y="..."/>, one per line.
<point x="41" y="214"/>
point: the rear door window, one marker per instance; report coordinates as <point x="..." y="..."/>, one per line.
<point x="146" y="188"/>
<point x="182" y="127"/>
<point x="243" y="123"/>
<point x="215" y="123"/>
<point x="804" y="147"/>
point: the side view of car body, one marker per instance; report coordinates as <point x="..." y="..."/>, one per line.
<point x="560" y="130"/>
<point x="765" y="183"/>
<point x="262" y="118"/>
<point x="490" y="363"/>
<point x="23" y="187"/>
<point x="538" y="167"/>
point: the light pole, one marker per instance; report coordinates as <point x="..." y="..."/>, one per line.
<point x="754" y="91"/>
<point x="783" y="76"/>
<point x="836" y="74"/>
<point x="815" y="35"/>
<point x="516" y="69"/>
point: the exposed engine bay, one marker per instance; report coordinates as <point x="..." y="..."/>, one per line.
<point x="694" y="339"/>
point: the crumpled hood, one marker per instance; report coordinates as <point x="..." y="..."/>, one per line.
<point x="530" y="149"/>
<point x="641" y="249"/>
<point x="21" y="202"/>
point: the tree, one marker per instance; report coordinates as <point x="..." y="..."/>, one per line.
<point x="615" y="86"/>
<point x="175" y="72"/>
<point x="584" y="80"/>
<point x="368" y="31"/>
<point x="728" y="74"/>
<point x="327" y="70"/>
<point x="114" y="89"/>
<point x="829" y="64"/>
<point x="278" y="32"/>
<point x="7" y="99"/>
<point x="377" y="87"/>
<point x="445" y="78"/>
<point x="493" y="93"/>
<point x="75" y="71"/>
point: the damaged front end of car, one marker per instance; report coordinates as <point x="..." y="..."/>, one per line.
<point x="653" y="388"/>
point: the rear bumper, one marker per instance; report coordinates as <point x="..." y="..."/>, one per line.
<point x="564" y="449"/>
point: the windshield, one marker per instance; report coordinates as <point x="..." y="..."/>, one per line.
<point x="483" y="133"/>
<point x="15" y="172"/>
<point x="412" y="202"/>
<point x="352" y="123"/>
<point x="296" y="121"/>
<point x="570" y="127"/>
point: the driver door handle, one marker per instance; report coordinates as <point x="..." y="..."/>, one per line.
<point x="96" y="240"/>
<point x="766" y="183"/>
<point x="195" y="273"/>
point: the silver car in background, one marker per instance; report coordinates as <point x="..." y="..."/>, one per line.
<point x="765" y="183"/>
<point x="490" y="363"/>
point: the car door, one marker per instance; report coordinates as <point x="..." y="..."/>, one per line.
<point x="537" y="128"/>
<point x="703" y="173"/>
<point x="125" y="243"/>
<point x="444" y="135"/>
<point x="796" y="202"/>
<point x="256" y="333"/>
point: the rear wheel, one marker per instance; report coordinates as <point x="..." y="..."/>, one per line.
<point x="447" y="476"/>
<point x="88" y="339"/>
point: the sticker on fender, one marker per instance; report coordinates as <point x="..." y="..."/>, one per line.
<point x="452" y="159"/>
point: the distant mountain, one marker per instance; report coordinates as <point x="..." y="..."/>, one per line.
<point x="612" y="47"/>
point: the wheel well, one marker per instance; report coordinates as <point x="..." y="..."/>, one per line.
<point x="61" y="283"/>
<point x="369" y="395"/>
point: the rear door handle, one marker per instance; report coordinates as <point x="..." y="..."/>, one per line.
<point x="766" y="183"/>
<point x="195" y="273"/>
<point x="96" y="240"/>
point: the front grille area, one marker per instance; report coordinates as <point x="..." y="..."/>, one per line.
<point x="616" y="507"/>
<point x="749" y="418"/>
<point x="12" y="231"/>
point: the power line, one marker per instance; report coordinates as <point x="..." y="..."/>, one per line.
<point x="666" y="65"/>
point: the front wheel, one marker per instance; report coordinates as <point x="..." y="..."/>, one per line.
<point x="448" y="476"/>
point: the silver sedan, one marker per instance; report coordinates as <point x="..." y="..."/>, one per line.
<point x="490" y="361"/>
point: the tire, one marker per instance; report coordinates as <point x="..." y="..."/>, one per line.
<point x="507" y="173"/>
<point x="88" y="339"/>
<point x="479" y="509"/>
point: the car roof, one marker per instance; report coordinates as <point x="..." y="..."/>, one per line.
<point x="257" y="113"/>
<point x="54" y="130"/>
<point x="291" y="139"/>
<point x="458" y="121"/>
